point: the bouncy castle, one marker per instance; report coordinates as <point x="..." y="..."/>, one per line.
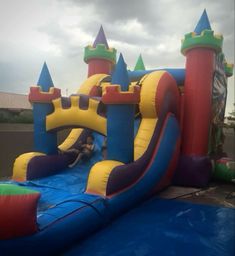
<point x="159" y="127"/>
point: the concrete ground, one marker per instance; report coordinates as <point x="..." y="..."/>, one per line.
<point x="16" y="139"/>
<point x="217" y="193"/>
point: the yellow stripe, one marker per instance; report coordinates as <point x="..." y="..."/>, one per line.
<point x="21" y="164"/>
<point x="71" y="139"/>
<point x="148" y="93"/>
<point x="87" y="85"/>
<point x="148" y="112"/>
<point x="99" y="175"/>
<point x="144" y="136"/>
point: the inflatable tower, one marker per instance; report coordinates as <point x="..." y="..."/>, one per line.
<point x="99" y="57"/>
<point x="120" y="102"/>
<point x="41" y="97"/>
<point x="200" y="48"/>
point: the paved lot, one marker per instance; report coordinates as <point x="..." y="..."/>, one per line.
<point x="217" y="193"/>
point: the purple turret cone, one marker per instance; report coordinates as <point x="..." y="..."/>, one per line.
<point x="203" y="23"/>
<point x="101" y="38"/>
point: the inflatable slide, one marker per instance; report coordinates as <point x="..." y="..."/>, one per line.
<point x="154" y="124"/>
<point x="76" y="201"/>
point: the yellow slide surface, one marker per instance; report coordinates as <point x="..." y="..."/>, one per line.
<point x="71" y="139"/>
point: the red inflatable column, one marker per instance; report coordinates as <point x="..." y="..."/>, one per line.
<point x="200" y="48"/>
<point x="197" y="100"/>
<point x="200" y="63"/>
<point x="99" y="66"/>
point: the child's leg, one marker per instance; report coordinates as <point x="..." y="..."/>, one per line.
<point x="76" y="160"/>
<point x="73" y="150"/>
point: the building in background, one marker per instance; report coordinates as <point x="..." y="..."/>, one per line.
<point x="15" y="108"/>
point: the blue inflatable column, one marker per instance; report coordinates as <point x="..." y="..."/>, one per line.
<point x="120" y="114"/>
<point x="41" y="96"/>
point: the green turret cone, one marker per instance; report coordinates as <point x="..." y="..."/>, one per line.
<point x="139" y="64"/>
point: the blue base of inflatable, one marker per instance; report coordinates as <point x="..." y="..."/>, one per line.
<point x="165" y="227"/>
<point x="66" y="215"/>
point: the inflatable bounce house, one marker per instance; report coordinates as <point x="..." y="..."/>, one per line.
<point x="155" y="125"/>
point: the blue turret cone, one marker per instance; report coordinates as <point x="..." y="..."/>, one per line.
<point x="203" y="23"/>
<point x="45" y="80"/>
<point x="101" y="38"/>
<point x="120" y="75"/>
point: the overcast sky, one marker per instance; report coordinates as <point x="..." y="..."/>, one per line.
<point x="56" y="31"/>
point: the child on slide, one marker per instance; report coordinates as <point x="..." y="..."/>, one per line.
<point x="85" y="151"/>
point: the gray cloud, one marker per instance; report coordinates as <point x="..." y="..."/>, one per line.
<point x="60" y="29"/>
<point x="157" y="18"/>
<point x="113" y="10"/>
